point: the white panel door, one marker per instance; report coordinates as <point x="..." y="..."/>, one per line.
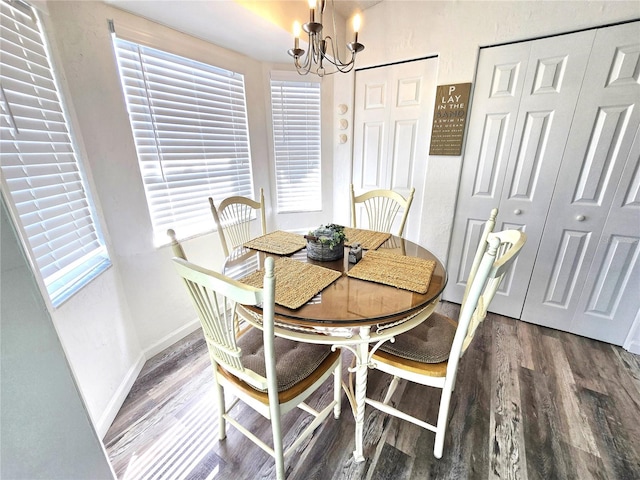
<point x="522" y="109"/>
<point x="392" y="124"/>
<point x="610" y="301"/>
<point x="587" y="259"/>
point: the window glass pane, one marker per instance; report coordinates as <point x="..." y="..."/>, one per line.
<point x="40" y="168"/>
<point x="295" y="110"/>
<point x="189" y="122"/>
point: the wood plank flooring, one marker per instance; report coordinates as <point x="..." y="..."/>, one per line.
<point x="530" y="403"/>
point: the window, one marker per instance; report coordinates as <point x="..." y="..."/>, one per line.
<point x="295" y="107"/>
<point x="40" y="169"/>
<point x="189" y="122"/>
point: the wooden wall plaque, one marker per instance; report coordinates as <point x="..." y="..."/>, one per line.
<point x="449" y="119"/>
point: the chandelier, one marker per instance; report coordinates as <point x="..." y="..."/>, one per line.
<point x="322" y="51"/>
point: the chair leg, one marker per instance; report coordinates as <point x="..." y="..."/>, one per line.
<point x="337" y="389"/>
<point x="276" y="428"/>
<point x="392" y="388"/>
<point x="222" y="409"/>
<point x="441" y="426"/>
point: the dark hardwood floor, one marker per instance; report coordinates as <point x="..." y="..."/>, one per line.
<point x="530" y="403"/>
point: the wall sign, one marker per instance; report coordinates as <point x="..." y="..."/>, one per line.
<point x="449" y="119"/>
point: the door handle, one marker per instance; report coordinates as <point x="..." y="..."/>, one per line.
<point x="517" y="211"/>
<point x="581" y="218"/>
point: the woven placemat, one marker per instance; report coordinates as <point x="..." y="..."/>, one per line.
<point x="278" y="242"/>
<point x="368" y="239"/>
<point x="408" y="273"/>
<point x="296" y="282"/>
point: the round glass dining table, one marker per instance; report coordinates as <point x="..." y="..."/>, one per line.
<point x="350" y="313"/>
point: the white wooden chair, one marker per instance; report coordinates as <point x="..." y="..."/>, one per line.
<point x="382" y="207"/>
<point x="429" y="354"/>
<point x="273" y="375"/>
<point x="233" y="220"/>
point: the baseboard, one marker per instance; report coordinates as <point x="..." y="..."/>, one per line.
<point x="633" y="347"/>
<point x="123" y="390"/>
<point x="119" y="397"/>
<point x="172" y="338"/>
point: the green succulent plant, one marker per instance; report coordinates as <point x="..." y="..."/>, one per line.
<point x="330" y="234"/>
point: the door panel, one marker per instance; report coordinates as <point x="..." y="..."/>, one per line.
<point x="567" y="260"/>
<point x="595" y="175"/>
<point x="614" y="271"/>
<point x="522" y="111"/>
<point x="488" y="178"/>
<point x="610" y="300"/>
<point x="392" y="122"/>
<point x="371" y="167"/>
<point x="471" y="239"/>
<point x="588" y="253"/>
<point x="403" y="154"/>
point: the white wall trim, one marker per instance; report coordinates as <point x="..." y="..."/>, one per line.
<point x="113" y="407"/>
<point x="632" y="342"/>
<point x="109" y="414"/>
<point x="633" y="347"/>
<point x="172" y="338"/>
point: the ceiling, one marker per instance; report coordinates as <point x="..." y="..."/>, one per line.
<point x="257" y="28"/>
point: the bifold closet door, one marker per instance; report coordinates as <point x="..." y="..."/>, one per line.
<point x="587" y="273"/>
<point x="521" y="113"/>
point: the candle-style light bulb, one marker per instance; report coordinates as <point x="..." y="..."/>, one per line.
<point x="356" y="25"/>
<point x="312" y="7"/>
<point x="296" y="34"/>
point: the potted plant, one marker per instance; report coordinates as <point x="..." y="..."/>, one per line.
<point x="326" y="243"/>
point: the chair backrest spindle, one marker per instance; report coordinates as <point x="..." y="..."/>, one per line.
<point x="381" y="208"/>
<point x="233" y="220"/>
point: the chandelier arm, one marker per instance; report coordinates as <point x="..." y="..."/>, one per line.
<point x="301" y="69"/>
<point x="312" y="54"/>
<point x="343" y="69"/>
<point x="335" y="59"/>
<point x="314" y="48"/>
<point x="331" y="59"/>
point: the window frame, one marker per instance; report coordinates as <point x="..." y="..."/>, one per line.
<point x="198" y="223"/>
<point x="287" y="207"/>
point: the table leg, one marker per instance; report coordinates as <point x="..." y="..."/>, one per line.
<point x="362" y="365"/>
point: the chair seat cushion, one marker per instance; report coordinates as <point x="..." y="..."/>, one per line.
<point x="295" y="361"/>
<point x="429" y="342"/>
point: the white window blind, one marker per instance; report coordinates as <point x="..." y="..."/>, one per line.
<point x="295" y="107"/>
<point x="38" y="162"/>
<point x="189" y="122"/>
